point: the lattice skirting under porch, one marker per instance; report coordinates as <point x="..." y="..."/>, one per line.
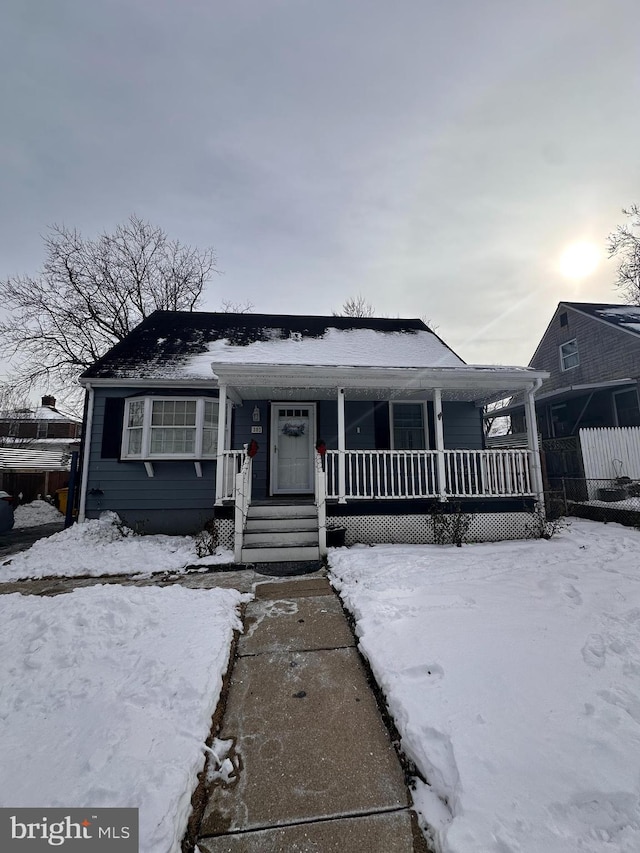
<point x="225" y="531"/>
<point x="419" y="529"/>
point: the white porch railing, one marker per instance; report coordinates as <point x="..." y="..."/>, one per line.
<point x="231" y="465"/>
<point x="488" y="473"/>
<point x="242" y="500"/>
<point x="389" y="474"/>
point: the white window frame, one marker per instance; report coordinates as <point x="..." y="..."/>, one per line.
<point x="563" y="366"/>
<point x="145" y="452"/>
<point x="425" y="420"/>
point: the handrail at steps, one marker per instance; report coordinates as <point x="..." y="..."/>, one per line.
<point x="242" y="501"/>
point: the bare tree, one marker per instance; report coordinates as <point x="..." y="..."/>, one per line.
<point x="91" y="293"/>
<point x="15" y="409"/>
<point x="625" y="242"/>
<point x="355" y="306"/>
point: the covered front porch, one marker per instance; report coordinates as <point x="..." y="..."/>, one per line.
<point x="349" y="436"/>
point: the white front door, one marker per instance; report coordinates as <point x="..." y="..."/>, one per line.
<point x="292" y="447"/>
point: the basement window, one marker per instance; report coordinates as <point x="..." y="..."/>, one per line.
<point x="170" y="428"/>
<point x="569" y="355"/>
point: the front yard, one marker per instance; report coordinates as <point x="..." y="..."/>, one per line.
<point x="106" y="697"/>
<point x="512" y="671"/>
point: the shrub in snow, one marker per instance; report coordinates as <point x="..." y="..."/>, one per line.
<point x="451" y="525"/>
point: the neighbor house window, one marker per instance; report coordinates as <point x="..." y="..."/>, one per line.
<point x="408" y="426"/>
<point x="627" y="408"/>
<point x="569" y="355"/>
<point x="170" y="428"/>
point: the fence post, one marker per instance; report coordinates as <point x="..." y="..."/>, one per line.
<point x="71" y="494"/>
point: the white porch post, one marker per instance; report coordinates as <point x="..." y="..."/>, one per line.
<point x="222" y="425"/>
<point x="533" y="446"/>
<point x="342" y="446"/>
<point x="439" y="433"/>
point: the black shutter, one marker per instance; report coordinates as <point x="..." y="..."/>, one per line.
<point x="112" y="428"/>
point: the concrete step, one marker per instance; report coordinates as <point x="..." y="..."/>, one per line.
<point x="280" y="554"/>
<point x="279" y="538"/>
<point x="282" y="511"/>
<point x="275" y="524"/>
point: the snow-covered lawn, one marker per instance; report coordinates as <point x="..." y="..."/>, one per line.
<point x="35" y="513"/>
<point x="512" y="671"/>
<point x="106" y="697"/>
<point x="103" y="547"/>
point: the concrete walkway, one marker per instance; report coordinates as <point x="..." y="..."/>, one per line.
<point x="314" y="769"/>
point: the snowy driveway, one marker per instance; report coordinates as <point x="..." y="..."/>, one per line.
<point x="512" y="671"/>
<point x="21" y="538"/>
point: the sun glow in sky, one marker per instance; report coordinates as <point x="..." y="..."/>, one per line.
<point x="580" y="260"/>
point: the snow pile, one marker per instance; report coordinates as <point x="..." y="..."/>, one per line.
<point x="512" y="671"/>
<point x="35" y="513"/>
<point x="105" y="547"/>
<point x="107" y="699"/>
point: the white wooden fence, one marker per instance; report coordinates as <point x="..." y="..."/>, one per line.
<point x="610" y="452"/>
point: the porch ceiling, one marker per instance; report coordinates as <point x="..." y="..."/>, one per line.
<point x="476" y="384"/>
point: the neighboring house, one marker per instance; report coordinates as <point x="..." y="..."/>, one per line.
<point x="592" y="354"/>
<point x="40" y="427"/>
<point x="172" y="409"/>
<point x="35" y="449"/>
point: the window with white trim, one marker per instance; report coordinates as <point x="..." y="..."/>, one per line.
<point x="569" y="355"/>
<point x="408" y="426"/>
<point x="170" y="428"/>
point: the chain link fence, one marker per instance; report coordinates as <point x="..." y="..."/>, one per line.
<point x="616" y="499"/>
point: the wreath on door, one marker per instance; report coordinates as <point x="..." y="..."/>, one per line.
<point x="293" y="430"/>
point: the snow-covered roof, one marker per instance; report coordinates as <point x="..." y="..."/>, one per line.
<point x="336" y="347"/>
<point x="626" y="317"/>
<point x="187" y="345"/>
<point x="39" y="413"/>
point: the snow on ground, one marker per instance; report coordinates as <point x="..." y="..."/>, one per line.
<point x="512" y="671"/>
<point x="35" y="513"/>
<point x="106" y="699"/>
<point x="104" y="547"/>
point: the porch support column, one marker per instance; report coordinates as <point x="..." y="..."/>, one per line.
<point x="439" y="435"/>
<point x="222" y="428"/>
<point x="342" y="446"/>
<point x="533" y="446"/>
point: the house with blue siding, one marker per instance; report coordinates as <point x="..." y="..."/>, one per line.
<point x="277" y="428"/>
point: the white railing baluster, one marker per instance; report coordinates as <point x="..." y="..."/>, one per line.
<point x="402" y="474"/>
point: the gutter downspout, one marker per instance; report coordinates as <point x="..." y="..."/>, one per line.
<point x="86" y="440"/>
<point x="532" y="442"/>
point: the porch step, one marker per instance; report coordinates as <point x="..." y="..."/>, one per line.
<point x="277" y="538"/>
<point x="280" y="554"/>
<point x="272" y="523"/>
<point x="282" y="511"/>
<point x="281" y="532"/>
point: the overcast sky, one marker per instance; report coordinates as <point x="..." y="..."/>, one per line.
<point x="436" y="156"/>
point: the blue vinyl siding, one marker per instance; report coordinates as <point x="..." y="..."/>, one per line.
<point x="174" y="500"/>
<point x="462" y="426"/>
<point x="241" y="434"/>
